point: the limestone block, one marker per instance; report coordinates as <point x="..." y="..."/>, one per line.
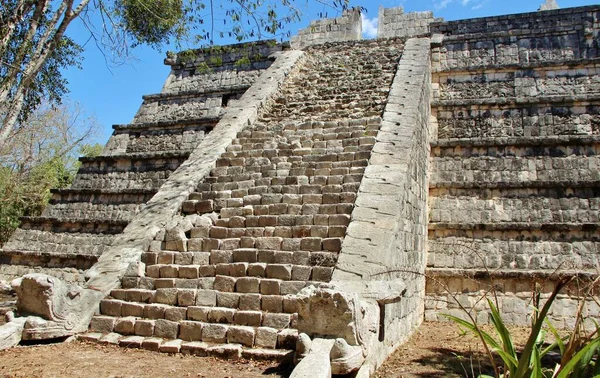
<point x="198" y="313"/>
<point x="166" y="296"/>
<point x="175" y="314"/>
<point x="186" y="297"/>
<point x="270" y="286"/>
<point x="190" y="331"/>
<point x="230" y="300"/>
<point x="221" y="257"/>
<point x="250" y="302"/>
<point x="224" y="283"/>
<point x="266" y="337"/>
<point x="170" y="346"/>
<point x="256" y="270"/>
<point x="272" y="303"/>
<point x="291" y="287"/>
<point x="221" y="315"/>
<point x="155" y="311"/>
<point x="102" y="324"/>
<point x="131" y="342"/>
<point x="279" y="271"/>
<point x="214" y="333"/>
<point x="226" y="351"/>
<point x="301" y="273"/>
<point x="195" y="348"/>
<point x="125" y="326"/>
<point x="248" y="285"/>
<point x="278" y="321"/>
<point x="206" y="298"/>
<point x="248" y="318"/>
<point x="111" y="307"/>
<point x="166" y="329"/>
<point x="242" y="335"/>
<point x="144" y="327"/>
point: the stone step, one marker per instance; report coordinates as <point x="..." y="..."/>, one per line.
<point x="331" y="180"/>
<point x="197" y="304"/>
<point x="275" y="185"/>
<point x="254" y="206"/>
<point x="242" y="255"/>
<point x="101" y="195"/>
<point x="134" y="157"/>
<point x="255" y="271"/>
<point x="229" y="351"/>
<point x="50" y="255"/>
<point x="309" y="154"/>
<point x="86" y="210"/>
<point x="166" y="125"/>
<point x="285" y="241"/>
<point x="50" y="242"/>
<point x="73" y="225"/>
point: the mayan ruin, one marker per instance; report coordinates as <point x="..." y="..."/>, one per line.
<point x="318" y="199"/>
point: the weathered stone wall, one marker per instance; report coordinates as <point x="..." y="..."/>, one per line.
<point x="522" y="39"/>
<point x="202" y="82"/>
<point x="393" y="22"/>
<point x="514" y="162"/>
<point x="348" y="27"/>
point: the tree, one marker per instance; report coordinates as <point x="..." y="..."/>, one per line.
<point x="42" y="155"/>
<point x="34" y="46"/>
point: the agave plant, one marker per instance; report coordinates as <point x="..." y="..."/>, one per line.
<point x="579" y="352"/>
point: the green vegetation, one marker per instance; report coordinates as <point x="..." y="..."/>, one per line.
<point x="579" y="350"/>
<point x="40" y="157"/>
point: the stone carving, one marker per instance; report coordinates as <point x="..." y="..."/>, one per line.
<point x="59" y="308"/>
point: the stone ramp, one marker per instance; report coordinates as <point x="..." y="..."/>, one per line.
<point x="514" y="179"/>
<point x="267" y="221"/>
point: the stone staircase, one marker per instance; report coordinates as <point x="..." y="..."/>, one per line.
<point x="266" y="222"/>
<point x="514" y="182"/>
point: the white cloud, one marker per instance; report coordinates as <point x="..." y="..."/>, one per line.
<point x="441" y="4"/>
<point x="369" y="26"/>
<point x="473" y="4"/>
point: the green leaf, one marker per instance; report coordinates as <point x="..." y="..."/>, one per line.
<point x="580" y="356"/>
<point x="507" y="344"/>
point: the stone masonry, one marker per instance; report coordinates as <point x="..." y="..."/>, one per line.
<point x="317" y="200"/>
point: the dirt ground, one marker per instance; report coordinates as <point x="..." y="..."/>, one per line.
<point x="435" y="350"/>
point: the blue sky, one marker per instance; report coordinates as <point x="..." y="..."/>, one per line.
<point x="113" y="94"/>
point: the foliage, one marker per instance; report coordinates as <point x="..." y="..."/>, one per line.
<point x="42" y="155"/>
<point x="579" y="356"/>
